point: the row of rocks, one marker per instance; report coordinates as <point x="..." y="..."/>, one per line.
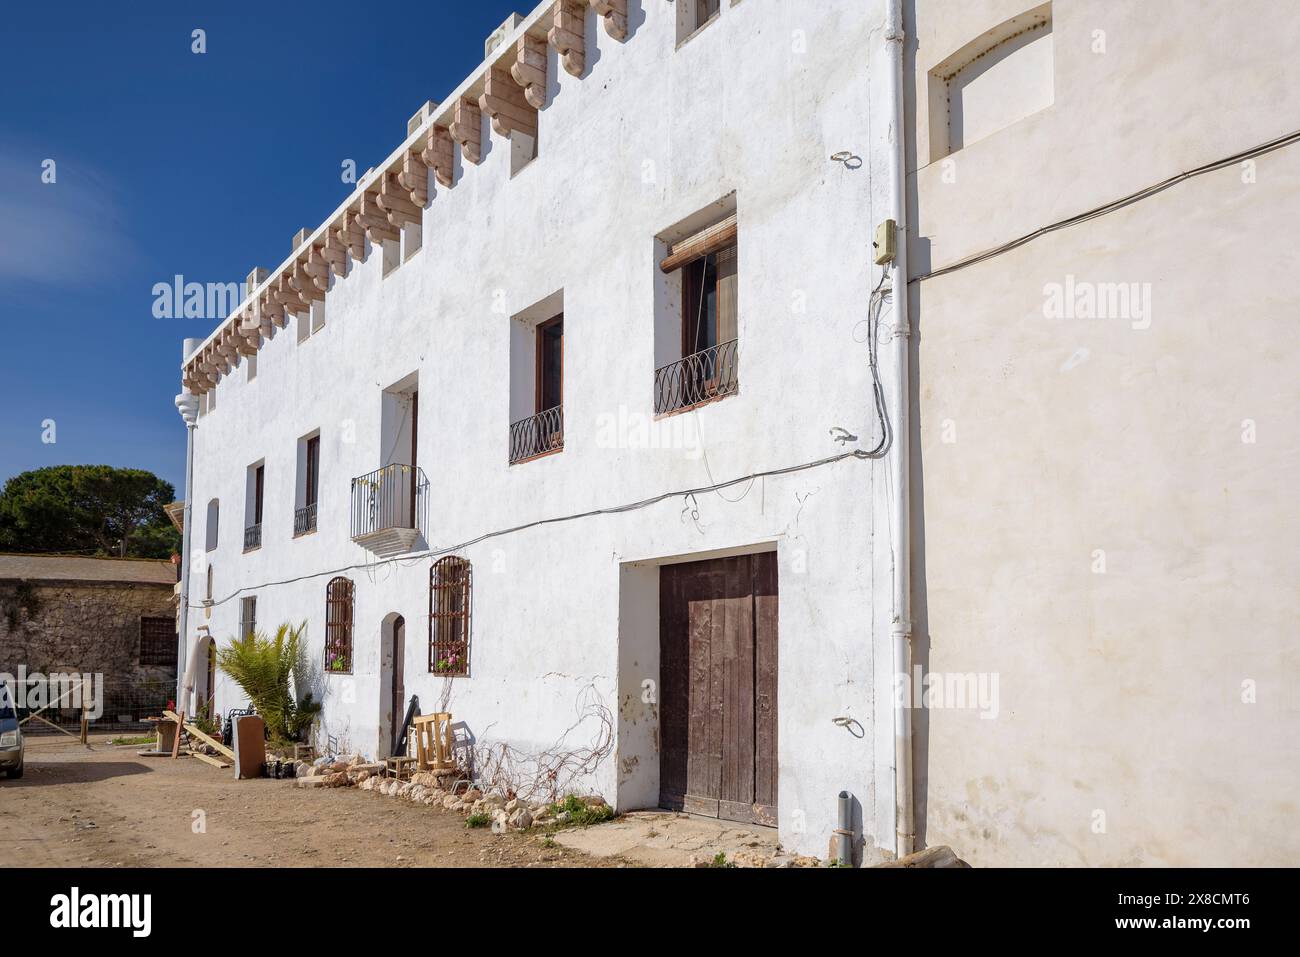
<point x="432" y="788"/>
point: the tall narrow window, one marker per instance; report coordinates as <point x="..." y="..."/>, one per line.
<point x="208" y="595"/>
<point x="543" y="431"/>
<point x="449" y="616"/>
<point x="707" y="265"/>
<point x="550" y="364"/>
<point x="304" y="514"/>
<point x="214" y="524"/>
<point x="247" y="616"/>
<point x="338" y="626"/>
<point x="259" y="490"/>
<point x="253" y="508"/>
<point x="313" y="469"/>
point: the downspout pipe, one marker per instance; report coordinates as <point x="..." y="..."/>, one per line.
<point x="187" y="404"/>
<point x="901" y="531"/>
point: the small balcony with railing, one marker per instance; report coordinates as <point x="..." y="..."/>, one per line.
<point x="390" y="509"/>
<point x="253" y="537"/>
<point x="537" y="435"/>
<point x="701" y="377"/>
<point x="304" y="520"/>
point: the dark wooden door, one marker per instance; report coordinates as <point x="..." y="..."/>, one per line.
<point x="399" y="680"/>
<point x="717" y="667"/>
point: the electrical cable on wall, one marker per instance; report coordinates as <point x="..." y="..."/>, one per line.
<point x="1111" y="207"/>
<point x="874" y="305"/>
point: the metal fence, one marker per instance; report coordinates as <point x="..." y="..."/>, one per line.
<point x="110" y="705"/>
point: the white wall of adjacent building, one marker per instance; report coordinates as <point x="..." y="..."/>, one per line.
<point x="1105" y="511"/>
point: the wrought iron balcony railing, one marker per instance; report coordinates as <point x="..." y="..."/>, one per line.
<point x="394" y="498"/>
<point x="304" y="519"/>
<point x="698" y="378"/>
<point x="253" y="537"/>
<point x="537" y="435"/>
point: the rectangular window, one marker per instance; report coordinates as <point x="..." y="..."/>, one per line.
<point x="313" y="469"/>
<point x="158" y="642"/>
<point x="259" y="491"/>
<point x="250" y="363"/>
<point x="693" y="16"/>
<point x="702" y="270"/>
<point x="308" y="486"/>
<point x="254" y="493"/>
<point x="247" y="616"/>
<point x="550" y="364"/>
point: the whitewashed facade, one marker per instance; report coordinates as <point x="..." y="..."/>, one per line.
<point x="662" y="131"/>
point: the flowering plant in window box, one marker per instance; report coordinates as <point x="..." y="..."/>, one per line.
<point x="449" y="664"/>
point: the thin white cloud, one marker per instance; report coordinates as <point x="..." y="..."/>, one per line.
<point x="69" y="232"/>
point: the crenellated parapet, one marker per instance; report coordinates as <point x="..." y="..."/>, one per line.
<point x="510" y="89"/>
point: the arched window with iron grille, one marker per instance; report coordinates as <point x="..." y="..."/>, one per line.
<point x="449" y="616"/>
<point x="338" y="626"/>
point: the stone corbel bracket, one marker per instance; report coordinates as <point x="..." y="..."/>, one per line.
<point x="438" y="154"/>
<point x="615" y="14"/>
<point x="414" y="178"/>
<point x="529" y="69"/>
<point x="394" y="200"/>
<point x="374" y="220"/>
<point x="467" y="130"/>
<point x="504" y="102"/>
<point x="568" y="35"/>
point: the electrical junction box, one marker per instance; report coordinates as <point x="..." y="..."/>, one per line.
<point x="886" y="242"/>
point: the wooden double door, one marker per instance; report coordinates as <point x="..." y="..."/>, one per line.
<point x="717" y="667"/>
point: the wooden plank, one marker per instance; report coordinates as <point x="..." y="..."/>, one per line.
<point x="737" y="783"/>
<point x="196" y="733"/>
<point x="765" y="684"/>
<point x="673" y="690"/>
<point x="209" y="759"/>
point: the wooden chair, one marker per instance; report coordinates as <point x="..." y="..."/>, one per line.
<point x="433" y="742"/>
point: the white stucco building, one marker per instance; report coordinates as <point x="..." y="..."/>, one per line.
<point x="667" y="127"/>
<point x="566" y="422"/>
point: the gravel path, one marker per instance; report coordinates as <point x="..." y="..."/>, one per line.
<point x="108" y="807"/>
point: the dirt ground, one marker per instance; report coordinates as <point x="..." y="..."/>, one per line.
<point x="108" y="807"/>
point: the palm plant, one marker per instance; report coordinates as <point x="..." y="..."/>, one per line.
<point x="263" y="668"/>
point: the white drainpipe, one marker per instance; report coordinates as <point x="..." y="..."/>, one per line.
<point x="901" y="532"/>
<point x="188" y="406"/>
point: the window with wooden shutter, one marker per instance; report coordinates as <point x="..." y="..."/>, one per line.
<point x="707" y="262"/>
<point x="449" y="616"/>
<point x="339" y="595"/>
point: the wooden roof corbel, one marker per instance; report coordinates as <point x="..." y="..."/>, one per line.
<point x="615" y="14"/>
<point x="529" y="69"/>
<point x="437" y="154"/>
<point x="568" y="35"/>
<point x="503" y="101"/>
<point x="467" y="130"/>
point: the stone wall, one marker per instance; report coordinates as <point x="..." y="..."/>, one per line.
<point x="83" y="627"/>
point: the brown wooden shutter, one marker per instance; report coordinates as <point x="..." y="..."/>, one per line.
<point x="718" y="236"/>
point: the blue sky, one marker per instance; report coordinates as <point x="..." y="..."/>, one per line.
<point x="166" y="162"/>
